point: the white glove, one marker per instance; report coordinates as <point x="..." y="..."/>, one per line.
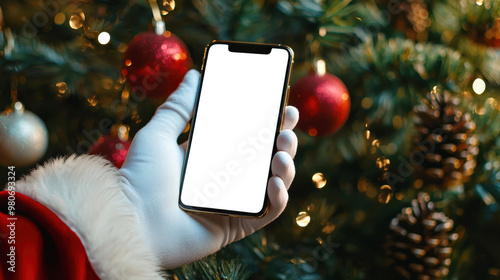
<point x="151" y="174"/>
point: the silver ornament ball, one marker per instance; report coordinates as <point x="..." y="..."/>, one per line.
<point x="23" y="137"/>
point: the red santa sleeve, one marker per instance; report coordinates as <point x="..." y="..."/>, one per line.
<point x="72" y="221"/>
<point x="37" y="245"/>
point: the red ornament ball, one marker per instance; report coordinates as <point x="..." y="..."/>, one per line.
<point x="111" y="148"/>
<point x="323" y="103"/>
<point x="154" y="65"/>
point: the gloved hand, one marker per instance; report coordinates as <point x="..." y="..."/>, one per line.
<point x="151" y="175"/>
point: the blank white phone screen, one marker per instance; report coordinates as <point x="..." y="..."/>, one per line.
<point x="233" y="136"/>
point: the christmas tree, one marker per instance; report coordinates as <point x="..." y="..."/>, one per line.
<point x="398" y="165"/>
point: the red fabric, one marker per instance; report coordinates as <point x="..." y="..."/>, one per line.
<point x="45" y="247"/>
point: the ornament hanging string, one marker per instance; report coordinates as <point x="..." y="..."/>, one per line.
<point x="169" y="6"/>
<point x="13" y="88"/>
<point x="318" y="63"/>
<point x="24" y="135"/>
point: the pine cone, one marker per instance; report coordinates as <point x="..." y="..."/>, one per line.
<point x="420" y="242"/>
<point x="444" y="147"/>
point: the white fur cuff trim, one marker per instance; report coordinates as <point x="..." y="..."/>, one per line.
<point x="85" y="193"/>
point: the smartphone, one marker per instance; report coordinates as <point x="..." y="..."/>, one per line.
<point x="237" y="116"/>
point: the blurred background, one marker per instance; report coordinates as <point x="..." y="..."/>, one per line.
<point x="399" y="147"/>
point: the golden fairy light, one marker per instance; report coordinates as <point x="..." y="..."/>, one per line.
<point x="59" y="18"/>
<point x="303" y="219"/>
<point x="322" y="31"/>
<point x="123" y="132"/>
<point x="479" y="86"/>
<point x="328" y="228"/>
<point x="419" y="183"/>
<point x="77" y="20"/>
<point x="385" y="194"/>
<point x="492" y="102"/>
<point x="366" y="102"/>
<point x="122" y="47"/>
<point x="382" y="163"/>
<point x="107" y="83"/>
<point x="494" y="271"/>
<point x="125" y="95"/>
<point x="62" y="87"/>
<point x="319" y="180"/>
<point x="397" y="122"/>
<point x="479" y="2"/>
<point x="169" y="5"/>
<point x="136" y="118"/>
<point x="92" y="101"/>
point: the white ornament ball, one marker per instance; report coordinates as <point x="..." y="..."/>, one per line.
<point x="23" y="137"/>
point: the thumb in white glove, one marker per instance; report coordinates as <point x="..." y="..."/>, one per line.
<point x="151" y="175"/>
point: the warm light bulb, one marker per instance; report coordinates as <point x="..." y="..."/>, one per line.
<point x="319" y="180"/>
<point x="103" y="38"/>
<point x="77" y="20"/>
<point x="303" y="219"/>
<point x="479" y="86"/>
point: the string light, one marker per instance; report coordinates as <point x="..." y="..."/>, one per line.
<point x="107" y="83"/>
<point x="169" y="5"/>
<point x="77" y="20"/>
<point x="397" y="122"/>
<point x="366" y="102"/>
<point x="123" y="132"/>
<point x="322" y="31"/>
<point x="479" y="86"/>
<point x="328" y="228"/>
<point x="62" y="87"/>
<point x="59" y="18"/>
<point x="385" y="194"/>
<point x="122" y="47"/>
<point x="383" y="163"/>
<point x="103" y="38"/>
<point x="303" y="219"/>
<point x="319" y="180"/>
<point x="92" y="101"/>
